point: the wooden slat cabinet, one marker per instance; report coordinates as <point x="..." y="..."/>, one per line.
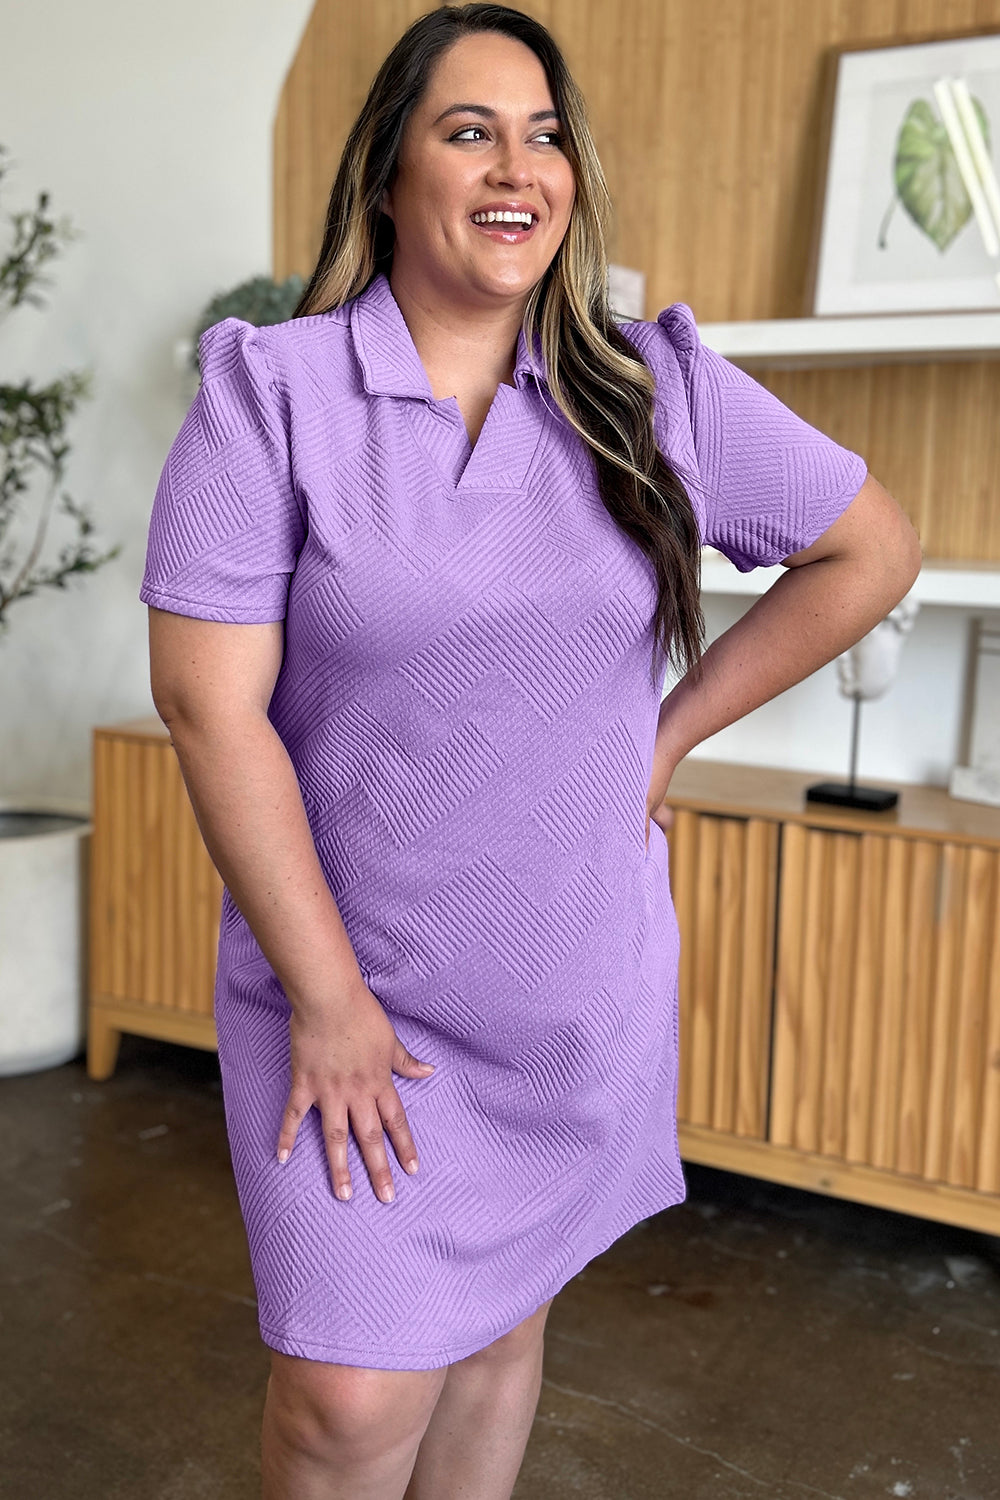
<point x="887" y="1005"/>
<point x="875" y="1026"/>
<point x="723" y="876"/>
<point x="155" y="899"/>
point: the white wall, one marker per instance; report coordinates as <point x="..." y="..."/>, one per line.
<point x="912" y="733"/>
<point x="151" y="127"/>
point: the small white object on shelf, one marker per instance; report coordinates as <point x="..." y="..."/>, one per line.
<point x="807" y="343"/>
<point x="626" y="291"/>
<point x="182" y="353"/>
<point x="868" y="668"/>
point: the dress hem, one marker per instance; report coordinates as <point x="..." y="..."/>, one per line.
<point x="374" y="1359"/>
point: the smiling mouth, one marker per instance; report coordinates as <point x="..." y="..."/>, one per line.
<point x="510" y="227"/>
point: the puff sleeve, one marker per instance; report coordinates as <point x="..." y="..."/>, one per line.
<point x="226" y="528"/>
<point x="768" y="482"/>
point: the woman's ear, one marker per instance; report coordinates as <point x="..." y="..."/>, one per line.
<point x="385" y="203"/>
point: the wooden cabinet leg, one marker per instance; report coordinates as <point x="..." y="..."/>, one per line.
<point x="103" y="1040"/>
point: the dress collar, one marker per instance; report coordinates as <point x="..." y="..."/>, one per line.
<point x="388" y="355"/>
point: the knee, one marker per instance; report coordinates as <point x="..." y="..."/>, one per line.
<point x="346" y="1413"/>
<point x="523" y="1341"/>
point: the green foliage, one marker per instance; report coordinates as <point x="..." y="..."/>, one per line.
<point x="33" y="419"/>
<point x="260" y="301"/>
<point x="926" y="174"/>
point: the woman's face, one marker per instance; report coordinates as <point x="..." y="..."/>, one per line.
<point x="484" y="138"/>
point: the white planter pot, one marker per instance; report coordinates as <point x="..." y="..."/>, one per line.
<point x="43" y="886"/>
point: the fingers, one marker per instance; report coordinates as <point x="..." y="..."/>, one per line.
<point x="662" y="815"/>
<point x="335" y="1137"/>
<point x="295" y="1111"/>
<point x="398" y="1129"/>
<point x="370" y="1137"/>
<point x="370" y="1123"/>
<point x="404" y="1062"/>
<point x="370" y="1119"/>
<point x="343" y="1066"/>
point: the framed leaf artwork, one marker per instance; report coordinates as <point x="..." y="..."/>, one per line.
<point x="908" y="213"/>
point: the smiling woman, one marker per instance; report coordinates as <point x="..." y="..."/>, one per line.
<point x="462" y="269"/>
<point x="415" y="559"/>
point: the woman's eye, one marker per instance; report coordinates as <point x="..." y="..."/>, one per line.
<point x="546" y="136"/>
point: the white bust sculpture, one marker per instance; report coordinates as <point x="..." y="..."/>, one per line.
<point x="868" y="668"/>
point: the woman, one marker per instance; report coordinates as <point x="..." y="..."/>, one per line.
<point x="416" y="560"/>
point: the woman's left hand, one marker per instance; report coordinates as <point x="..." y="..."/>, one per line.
<point x="662" y="815"/>
<point x="665" y="762"/>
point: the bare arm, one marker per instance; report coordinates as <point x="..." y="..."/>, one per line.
<point x="834" y="592"/>
<point x="212" y="684"/>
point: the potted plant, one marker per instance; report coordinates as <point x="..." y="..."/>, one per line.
<point x="258" y="300"/>
<point x="43" y="842"/>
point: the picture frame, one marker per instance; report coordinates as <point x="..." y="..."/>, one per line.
<point x="975" y="777"/>
<point x="908" y="207"/>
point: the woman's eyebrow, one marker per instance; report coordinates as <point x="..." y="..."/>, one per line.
<point x="490" y="114"/>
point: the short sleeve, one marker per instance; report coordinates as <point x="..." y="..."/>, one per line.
<point x="226" y="529"/>
<point x="769" y="482"/>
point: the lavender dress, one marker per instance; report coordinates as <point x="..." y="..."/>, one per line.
<point x="467" y="699"/>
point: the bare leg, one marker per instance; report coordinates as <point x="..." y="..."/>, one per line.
<point x="342" y="1432"/>
<point x="475" y="1440"/>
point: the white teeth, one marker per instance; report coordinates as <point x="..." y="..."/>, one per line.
<point x="503" y="216"/>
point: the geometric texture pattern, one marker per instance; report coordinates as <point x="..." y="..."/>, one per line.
<point x="467" y="700"/>
<point x="766" y="481"/>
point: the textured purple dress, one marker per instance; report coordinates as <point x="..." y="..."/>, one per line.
<point x="467" y="699"/>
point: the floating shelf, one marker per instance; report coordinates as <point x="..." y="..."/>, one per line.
<point x="805" y="343"/>
<point x="960" y="585"/>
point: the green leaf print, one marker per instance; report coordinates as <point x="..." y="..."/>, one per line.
<point x="926" y="174"/>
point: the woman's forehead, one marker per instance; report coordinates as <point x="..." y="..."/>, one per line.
<point x="490" y="70"/>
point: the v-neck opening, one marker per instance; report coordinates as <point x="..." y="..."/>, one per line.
<point x="502" y="454"/>
<point x="472" y="449"/>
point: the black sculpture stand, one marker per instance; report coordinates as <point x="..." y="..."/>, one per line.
<point x="848" y="793"/>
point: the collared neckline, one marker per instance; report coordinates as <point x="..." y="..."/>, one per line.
<point x="388" y="356"/>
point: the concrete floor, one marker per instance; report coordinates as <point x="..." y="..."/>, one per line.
<point x="754" y="1343"/>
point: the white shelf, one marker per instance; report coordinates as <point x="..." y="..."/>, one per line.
<point x="961" y="585"/>
<point x="804" y="343"/>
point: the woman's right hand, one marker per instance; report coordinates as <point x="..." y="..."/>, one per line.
<point x="343" y="1058"/>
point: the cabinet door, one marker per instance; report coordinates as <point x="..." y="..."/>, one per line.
<point x="723" y="880"/>
<point x="155" y="894"/>
<point x="887" y="1004"/>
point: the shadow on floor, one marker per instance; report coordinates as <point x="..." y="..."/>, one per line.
<point x="756" y="1342"/>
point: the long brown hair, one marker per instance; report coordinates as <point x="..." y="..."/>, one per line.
<point x="596" y="376"/>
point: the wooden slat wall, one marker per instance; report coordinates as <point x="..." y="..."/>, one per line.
<point x="338" y="56"/>
<point x="887" y="1004"/>
<point x="723" y="881"/>
<point x="155" y="894"/>
<point x="929" y="432"/>
<point x="707" y="115"/>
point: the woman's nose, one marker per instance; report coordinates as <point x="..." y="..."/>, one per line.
<point x="513" y="164"/>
